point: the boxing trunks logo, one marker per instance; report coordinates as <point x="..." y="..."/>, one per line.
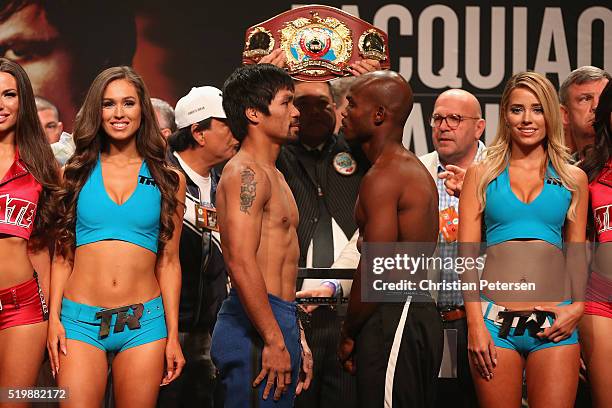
<point x="123" y="318"/>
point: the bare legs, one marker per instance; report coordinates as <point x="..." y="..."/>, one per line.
<point x="552" y="378"/>
<point x="137" y="373"/>
<point x="22" y="349"/>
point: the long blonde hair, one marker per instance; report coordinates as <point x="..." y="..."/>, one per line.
<point x="498" y="154"/>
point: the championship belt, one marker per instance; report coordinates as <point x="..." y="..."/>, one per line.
<point x="319" y="42"/>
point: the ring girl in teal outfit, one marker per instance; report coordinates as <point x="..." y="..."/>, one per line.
<point x="533" y="206"/>
<point x="115" y="277"/>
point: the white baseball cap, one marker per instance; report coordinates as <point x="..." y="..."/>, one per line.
<point x="200" y="103"/>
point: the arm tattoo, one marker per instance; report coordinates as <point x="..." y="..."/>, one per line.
<point x="247" y="189"/>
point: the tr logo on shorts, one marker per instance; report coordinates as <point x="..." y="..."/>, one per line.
<point x="133" y="321"/>
<point x="533" y="321"/>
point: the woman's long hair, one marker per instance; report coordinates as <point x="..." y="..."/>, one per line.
<point x="498" y="154"/>
<point x="90" y="139"/>
<point x="35" y="151"/>
<point x="598" y="154"/>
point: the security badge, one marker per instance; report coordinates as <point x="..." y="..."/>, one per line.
<point x="206" y="217"/>
<point x="345" y="164"/>
<point x="449" y="224"/>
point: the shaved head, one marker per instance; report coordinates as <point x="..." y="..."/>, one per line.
<point x="460" y="96"/>
<point x="389" y="90"/>
<point x="457" y="145"/>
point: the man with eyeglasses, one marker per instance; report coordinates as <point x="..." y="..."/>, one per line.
<point x="457" y="125"/>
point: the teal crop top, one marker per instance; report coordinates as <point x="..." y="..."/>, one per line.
<point x="136" y="220"/>
<point x="507" y="218"/>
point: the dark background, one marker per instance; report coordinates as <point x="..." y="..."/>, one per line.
<point x="204" y="40"/>
<point x="186" y="43"/>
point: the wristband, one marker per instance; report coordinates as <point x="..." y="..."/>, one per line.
<point x="334" y="284"/>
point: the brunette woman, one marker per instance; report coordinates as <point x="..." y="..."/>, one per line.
<point x="115" y="279"/>
<point x="28" y="180"/>
<point x="596" y="325"/>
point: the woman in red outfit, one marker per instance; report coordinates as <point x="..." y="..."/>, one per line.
<point x="28" y="180"/>
<point x="596" y="325"/>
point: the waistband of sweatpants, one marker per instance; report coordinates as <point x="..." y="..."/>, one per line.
<point x="278" y="305"/>
<point x="79" y="311"/>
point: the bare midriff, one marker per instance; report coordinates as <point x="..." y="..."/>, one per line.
<point x="278" y="252"/>
<point x="112" y="273"/>
<point x="534" y="262"/>
<point x="15" y="267"/>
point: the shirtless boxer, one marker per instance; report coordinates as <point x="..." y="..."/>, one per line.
<point x="395" y="349"/>
<point x="257" y="335"/>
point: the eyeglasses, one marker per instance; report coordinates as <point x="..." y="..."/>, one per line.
<point x="452" y="121"/>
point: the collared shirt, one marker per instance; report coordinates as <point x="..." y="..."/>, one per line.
<point x="204" y="183"/>
<point x="450" y="297"/>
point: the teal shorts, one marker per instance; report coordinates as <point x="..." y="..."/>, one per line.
<point x="524" y="343"/>
<point x="81" y="323"/>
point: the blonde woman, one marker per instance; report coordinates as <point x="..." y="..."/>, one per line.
<point x="532" y="202"/>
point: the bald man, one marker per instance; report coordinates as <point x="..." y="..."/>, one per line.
<point x="394" y="348"/>
<point x="457" y="126"/>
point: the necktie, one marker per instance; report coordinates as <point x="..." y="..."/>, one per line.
<point x="323" y="239"/>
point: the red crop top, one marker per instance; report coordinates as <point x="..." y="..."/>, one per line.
<point x="19" y="193"/>
<point x="600" y="190"/>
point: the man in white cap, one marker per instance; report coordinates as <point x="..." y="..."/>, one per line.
<point x="202" y="141"/>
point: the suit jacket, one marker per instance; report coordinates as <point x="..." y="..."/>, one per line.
<point x="430" y="161"/>
<point x="339" y="191"/>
